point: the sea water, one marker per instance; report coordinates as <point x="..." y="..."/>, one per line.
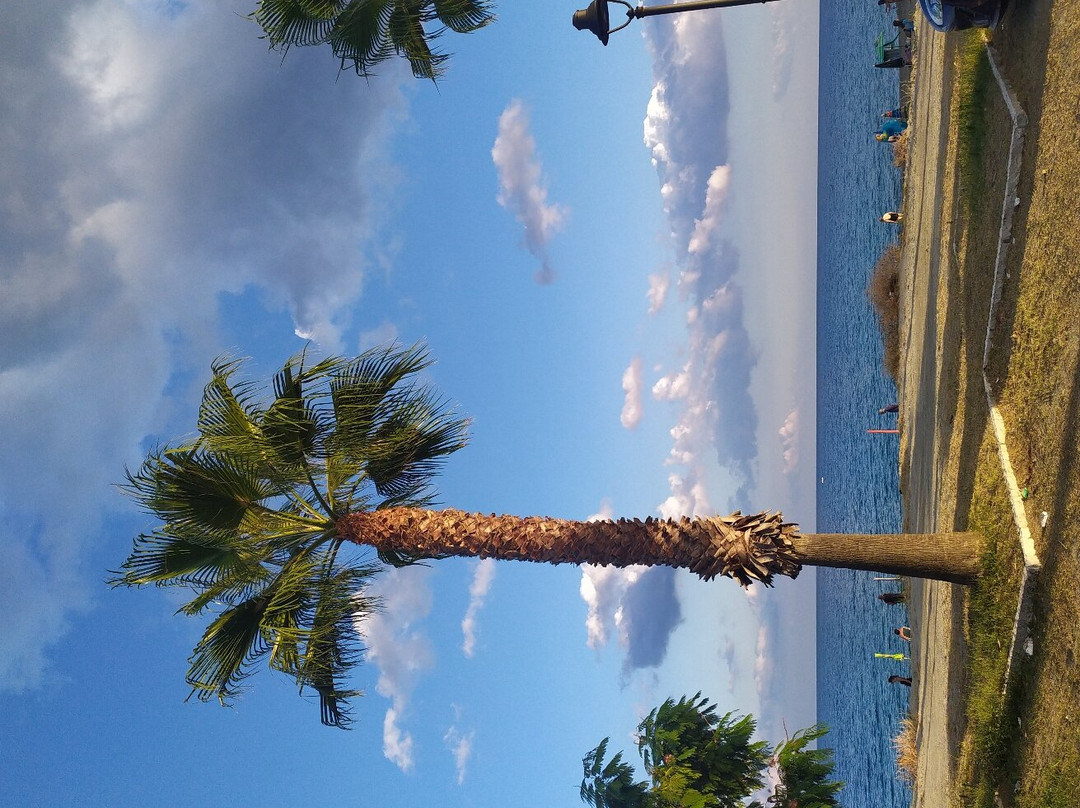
<point x="858" y="488"/>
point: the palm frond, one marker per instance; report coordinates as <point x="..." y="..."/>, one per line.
<point x="229" y="647"/>
<point x="296" y="22"/>
<point x="405" y="29"/>
<point x="333" y="645"/>
<point x="464" y="16"/>
<point x="206" y="491"/>
<point x="412" y="439"/>
<point x="165" y="559"/>
<point x="359" y="34"/>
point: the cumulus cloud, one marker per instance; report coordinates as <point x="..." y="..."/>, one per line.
<point x="685" y="131"/>
<point x="638" y="604"/>
<point x="521" y="186"/>
<point x="789" y="441"/>
<point x="400" y="651"/>
<point x="483" y="575"/>
<point x="156" y="159"/>
<point x="631" y="385"/>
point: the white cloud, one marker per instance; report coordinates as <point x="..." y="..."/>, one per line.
<point x="685" y="130"/>
<point x="674" y="385"/>
<point x="783" y="58"/>
<point x="400" y="651"/>
<point x="483" y="575"/>
<point x="658" y="289"/>
<point x="521" y="186"/>
<point x="763" y="662"/>
<point x="631" y="385"/>
<point x="602" y="589"/>
<point x="789" y="441"/>
<point x="461" y="747"/>
<point x="397" y="742"/>
<point x="715" y="196"/>
<point x="153" y="164"/>
<point x="637" y="603"/>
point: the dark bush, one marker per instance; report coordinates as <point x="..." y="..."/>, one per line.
<point x="884" y="292"/>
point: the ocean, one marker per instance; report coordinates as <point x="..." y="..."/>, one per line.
<point x="858" y="488"/>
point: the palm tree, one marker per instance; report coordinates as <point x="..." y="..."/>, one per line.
<point x="697" y="759"/>
<point x="366" y="32"/>
<point x="281" y="507"/>
<point x="804" y="773"/>
<point x="688" y="749"/>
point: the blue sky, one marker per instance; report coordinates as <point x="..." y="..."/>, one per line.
<point x="611" y="253"/>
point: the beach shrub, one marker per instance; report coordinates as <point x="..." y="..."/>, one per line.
<point x="884" y="293"/>
<point x="900" y="150"/>
<point x="907" y="754"/>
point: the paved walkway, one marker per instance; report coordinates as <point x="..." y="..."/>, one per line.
<point x="938" y="665"/>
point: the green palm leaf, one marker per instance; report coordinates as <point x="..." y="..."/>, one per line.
<point x="463" y="16"/>
<point x="229" y="647"/>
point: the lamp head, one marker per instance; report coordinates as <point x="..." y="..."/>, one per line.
<point x="594" y="18"/>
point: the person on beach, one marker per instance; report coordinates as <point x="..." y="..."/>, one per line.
<point x="904" y="633"/>
<point x="892" y="217"/>
<point x="903" y="680"/>
<point x="891" y="128"/>
<point x="891" y="597"/>
<point x="895" y="62"/>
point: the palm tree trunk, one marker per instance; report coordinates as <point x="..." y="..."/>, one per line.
<point x="938" y="556"/>
<point x="746" y="548"/>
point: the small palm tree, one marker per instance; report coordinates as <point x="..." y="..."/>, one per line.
<point x="805" y="774"/>
<point x="688" y="748"/>
<point x="363" y="33"/>
<point x="280" y="509"/>
<point x="697" y="759"/>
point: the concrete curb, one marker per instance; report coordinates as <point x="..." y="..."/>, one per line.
<point x="1032" y="565"/>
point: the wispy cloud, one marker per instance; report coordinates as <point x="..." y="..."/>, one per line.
<point x="521" y="186"/>
<point x="383" y="334"/>
<point x="631" y="385"/>
<point x="658" y="288"/>
<point x="460" y="745"/>
<point x="789" y="441"/>
<point x="783" y="59"/>
<point x="483" y="575"/>
<point x="155" y="162"/>
<point x="400" y="650"/>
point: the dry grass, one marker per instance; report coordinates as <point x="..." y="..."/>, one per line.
<point x="884" y="293"/>
<point x="900" y="150"/>
<point x="1025" y="749"/>
<point x="907" y="753"/>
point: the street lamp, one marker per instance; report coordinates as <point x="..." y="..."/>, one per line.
<point x="595" y="18"/>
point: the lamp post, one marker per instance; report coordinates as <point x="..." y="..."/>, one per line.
<point x="595" y="18"/>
